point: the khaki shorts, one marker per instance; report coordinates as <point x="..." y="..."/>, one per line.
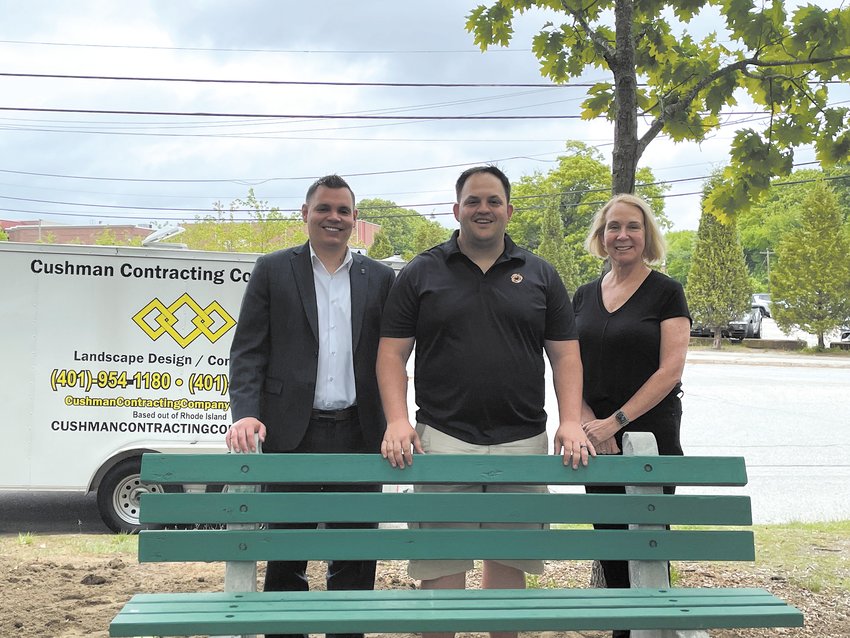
<point x="436" y="442"/>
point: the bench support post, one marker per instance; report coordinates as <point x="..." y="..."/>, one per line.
<point x="241" y="576"/>
<point x="653" y="574"/>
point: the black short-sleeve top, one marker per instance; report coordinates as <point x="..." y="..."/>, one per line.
<point x="479" y="370"/>
<point x="620" y="350"/>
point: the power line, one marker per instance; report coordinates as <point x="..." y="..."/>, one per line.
<point x="367" y="217"/>
<point x="239" y="50"/>
<point x="258" y="181"/>
<point x="447" y="85"/>
<point x="293" y="116"/>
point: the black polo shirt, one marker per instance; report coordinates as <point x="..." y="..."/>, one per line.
<point x="479" y="370"/>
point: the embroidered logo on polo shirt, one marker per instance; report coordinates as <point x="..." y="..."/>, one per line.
<point x="516" y="278"/>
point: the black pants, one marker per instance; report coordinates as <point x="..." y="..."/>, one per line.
<point x="333" y="437"/>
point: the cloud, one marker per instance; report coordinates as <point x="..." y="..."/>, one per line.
<point x="387" y="41"/>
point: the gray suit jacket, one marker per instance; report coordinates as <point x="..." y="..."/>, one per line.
<point x="274" y="355"/>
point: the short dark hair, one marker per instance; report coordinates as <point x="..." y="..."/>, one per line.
<point x="489" y="168"/>
<point x="328" y="181"/>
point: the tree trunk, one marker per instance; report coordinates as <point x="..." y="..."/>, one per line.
<point x="625" y="154"/>
<point x="718" y="338"/>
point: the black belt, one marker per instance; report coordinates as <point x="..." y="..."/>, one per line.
<point x="346" y="414"/>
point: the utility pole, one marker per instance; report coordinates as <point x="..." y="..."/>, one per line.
<point x="767" y="253"/>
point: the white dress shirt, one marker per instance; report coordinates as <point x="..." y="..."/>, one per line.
<point x="335" y="375"/>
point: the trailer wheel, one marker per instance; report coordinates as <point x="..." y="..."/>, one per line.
<point x="118" y="496"/>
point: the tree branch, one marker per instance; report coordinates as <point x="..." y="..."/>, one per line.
<point x="763" y="63"/>
<point x="687" y="99"/>
<point x="608" y="51"/>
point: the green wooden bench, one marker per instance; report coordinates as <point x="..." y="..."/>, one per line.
<point x="649" y="605"/>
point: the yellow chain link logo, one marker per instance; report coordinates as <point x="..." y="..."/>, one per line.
<point x="166" y="320"/>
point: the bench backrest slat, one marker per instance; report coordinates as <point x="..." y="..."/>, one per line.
<point x="401" y="544"/>
<point x="530" y="469"/>
<point x="658" y="509"/>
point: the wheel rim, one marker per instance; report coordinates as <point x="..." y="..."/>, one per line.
<point x="125" y="498"/>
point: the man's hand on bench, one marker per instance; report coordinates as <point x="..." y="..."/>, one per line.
<point x="242" y="435"/>
<point x="400" y="443"/>
<point x="571" y="441"/>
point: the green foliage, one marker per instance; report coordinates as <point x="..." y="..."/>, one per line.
<point x="429" y="234"/>
<point x="3" y="235"/>
<point x="718" y="287"/>
<point x="778" y="212"/>
<point x="381" y="247"/>
<point x="399" y="224"/>
<point x="812" y="274"/>
<point x="553" y="211"/>
<point x="680" y="248"/>
<point x="267" y="229"/>
<point x="785" y="64"/>
<point x="107" y="237"/>
<point x="555" y="248"/>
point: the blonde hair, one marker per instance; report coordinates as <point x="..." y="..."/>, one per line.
<point x="654" y="249"/>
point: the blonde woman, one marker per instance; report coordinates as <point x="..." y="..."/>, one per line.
<point x="633" y="326"/>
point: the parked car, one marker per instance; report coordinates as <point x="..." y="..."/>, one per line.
<point x="845" y="334"/>
<point x="698" y="330"/>
<point x="761" y="300"/>
<point x="747" y="326"/>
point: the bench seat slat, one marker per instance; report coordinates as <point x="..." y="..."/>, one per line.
<point x="511" y="610"/>
<point x="553" y="508"/>
<point x="400" y="544"/>
<point x="584" y="596"/>
<point x="539" y="469"/>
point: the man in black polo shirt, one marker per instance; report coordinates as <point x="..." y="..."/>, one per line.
<point x="480" y="311"/>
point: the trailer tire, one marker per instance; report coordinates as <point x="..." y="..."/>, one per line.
<point x="118" y="495"/>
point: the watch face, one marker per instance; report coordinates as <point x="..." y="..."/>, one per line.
<point x="621" y="418"/>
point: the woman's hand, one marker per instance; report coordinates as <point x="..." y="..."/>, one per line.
<point x="608" y="446"/>
<point x="600" y="430"/>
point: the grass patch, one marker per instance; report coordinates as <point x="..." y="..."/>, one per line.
<point x="812" y="556"/>
<point x="815" y="556"/>
<point x="32" y="546"/>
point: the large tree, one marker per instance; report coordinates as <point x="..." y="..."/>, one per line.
<point x="680" y="85"/>
<point x="718" y="289"/>
<point x="812" y="275"/>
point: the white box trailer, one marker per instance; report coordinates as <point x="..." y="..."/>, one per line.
<point x="107" y="353"/>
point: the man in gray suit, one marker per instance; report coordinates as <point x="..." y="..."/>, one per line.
<point x="302" y="363"/>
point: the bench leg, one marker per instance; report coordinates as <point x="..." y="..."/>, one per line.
<point x="240" y="576"/>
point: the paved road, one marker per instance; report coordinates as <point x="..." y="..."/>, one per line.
<point x="49" y="513"/>
<point x="787" y="414"/>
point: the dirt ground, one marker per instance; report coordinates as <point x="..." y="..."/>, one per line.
<point x="47" y="596"/>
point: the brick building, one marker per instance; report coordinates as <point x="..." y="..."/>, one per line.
<point x="38" y="231"/>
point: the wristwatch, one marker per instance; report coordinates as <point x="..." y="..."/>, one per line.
<point x="621" y="418"/>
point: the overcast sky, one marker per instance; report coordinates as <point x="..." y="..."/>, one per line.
<point x="97" y="168"/>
